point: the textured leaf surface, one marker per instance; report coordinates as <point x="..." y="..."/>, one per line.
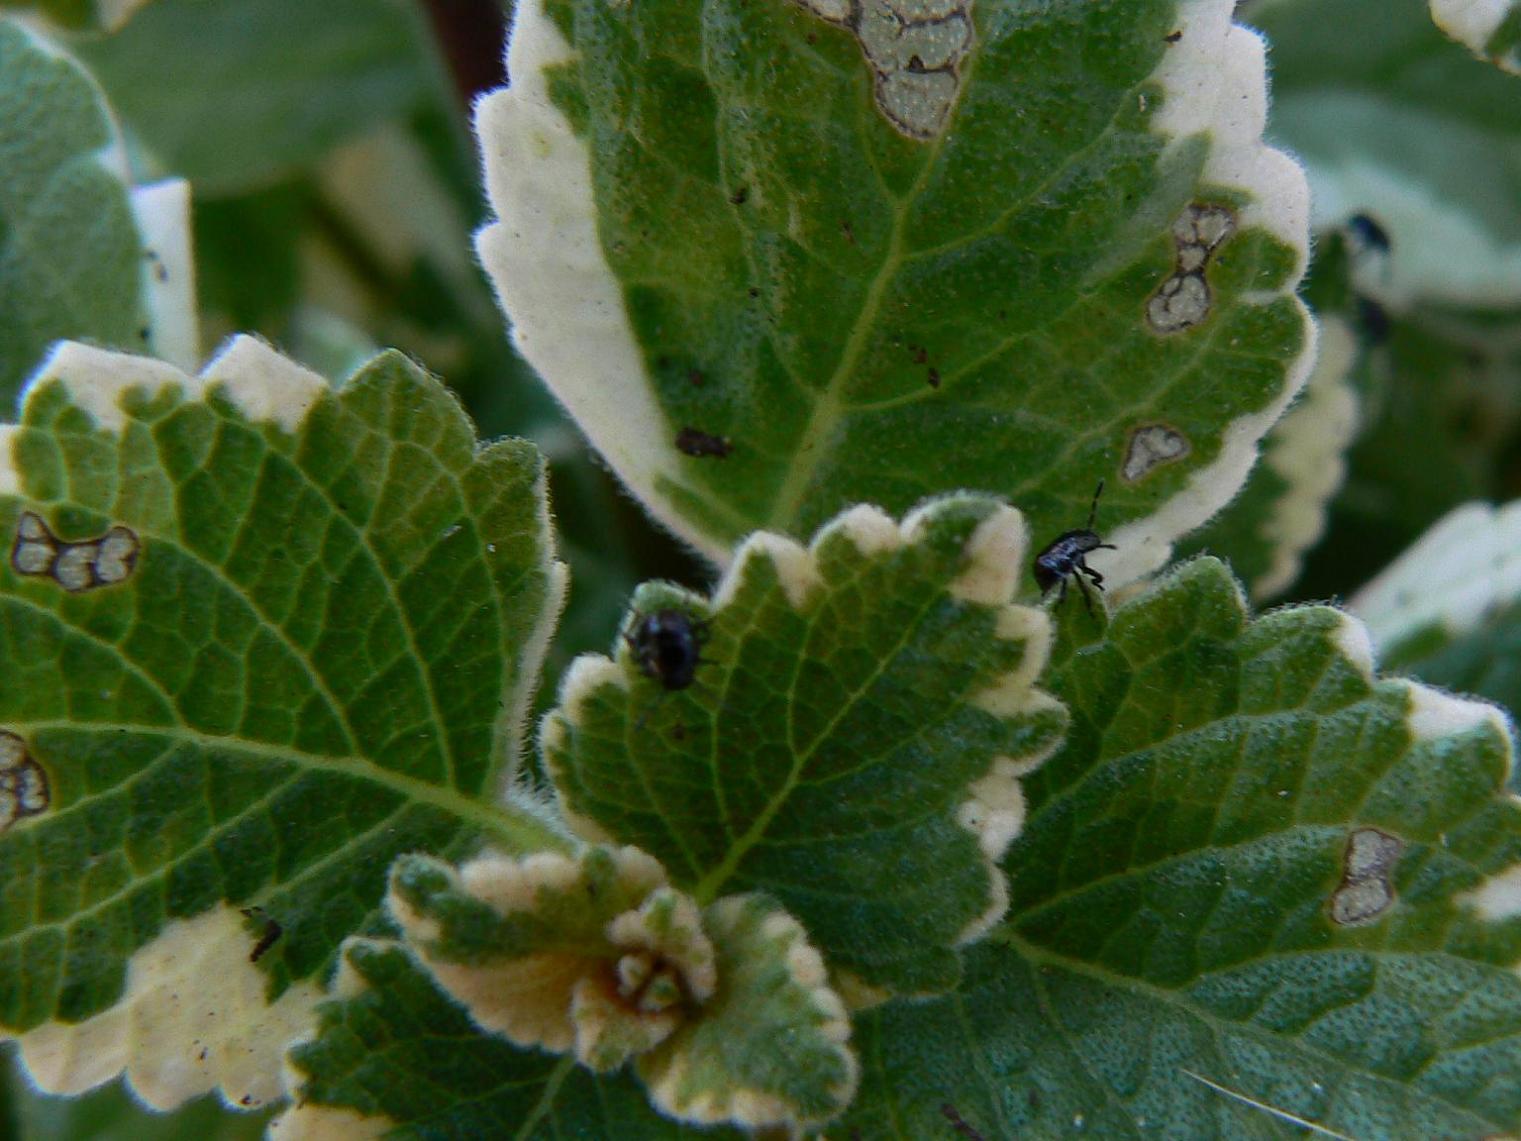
<point x="1490" y="29"/>
<point x="71" y="257"/>
<point x="1256" y="888"/>
<point x="1391" y="117"/>
<point x="852" y="743"/>
<point x="261" y="637"/>
<point x="237" y="95"/>
<point x="394" y="1052"/>
<point x="775" y="265"/>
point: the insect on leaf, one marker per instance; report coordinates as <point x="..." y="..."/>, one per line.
<point x="1259" y="890"/>
<point x="852" y="742"/>
<point x="778" y="258"/>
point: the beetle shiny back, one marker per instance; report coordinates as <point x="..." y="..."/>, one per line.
<point x="667" y="645"/>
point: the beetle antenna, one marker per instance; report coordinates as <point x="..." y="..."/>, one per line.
<point x="1093" y="509"/>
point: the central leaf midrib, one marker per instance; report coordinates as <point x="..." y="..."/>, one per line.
<point x="827" y="406"/>
<point x="708" y="887"/>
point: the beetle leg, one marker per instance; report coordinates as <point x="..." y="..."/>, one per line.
<point x="1093" y="575"/>
<point x="1083" y="589"/>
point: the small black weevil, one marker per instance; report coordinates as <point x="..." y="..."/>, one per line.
<point x="1065" y="558"/>
<point x="1368" y="234"/>
<point x="667" y="645"/>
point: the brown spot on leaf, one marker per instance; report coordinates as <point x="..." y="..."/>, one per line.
<point x="1366" y="891"/>
<point x="1184" y="299"/>
<point x="699" y="444"/>
<point x="267" y="938"/>
<point x="24" y="788"/>
<point x="81" y="566"/>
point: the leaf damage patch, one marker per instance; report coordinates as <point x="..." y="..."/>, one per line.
<point x="1366" y="892"/>
<point x="24" y="789"/>
<point x="1184" y="300"/>
<point x="1151" y="446"/>
<point x="914" y="48"/>
<point x="77" y="567"/>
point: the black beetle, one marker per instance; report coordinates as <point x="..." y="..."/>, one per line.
<point x="1065" y="558"/>
<point x="667" y="645"/>
<point x="1368" y="234"/>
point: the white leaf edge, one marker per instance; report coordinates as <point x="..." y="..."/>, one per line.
<point x="1472" y="23"/>
<point x="192" y="987"/>
<point x="1307" y="449"/>
<point x="545" y="259"/>
<point x="194" y="1016"/>
<point x="162" y="211"/>
<point x="994" y="810"/>
<point x="1467" y="565"/>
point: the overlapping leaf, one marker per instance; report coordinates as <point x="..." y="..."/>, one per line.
<point x="779" y="258"/>
<point x="852" y="743"/>
<point x="260" y="636"/>
<point x="237" y="95"/>
<point x="1391" y="117"/>
<point x="1449" y="609"/>
<point x="1258" y="892"/>
<point x="1281" y="511"/>
<point x="71" y="257"/>
<point x="394" y="1052"/>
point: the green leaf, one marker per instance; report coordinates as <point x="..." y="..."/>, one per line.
<point x="1491" y="29"/>
<point x="853" y="743"/>
<point x="261" y="636"/>
<point x="1281" y="512"/>
<point x="1258" y="891"/>
<point x="774" y="266"/>
<point x="1392" y="118"/>
<point x="71" y="257"/>
<point x="393" y="1047"/>
<point x="80" y="15"/>
<point x="236" y="96"/>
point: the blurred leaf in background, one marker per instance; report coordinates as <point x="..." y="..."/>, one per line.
<point x="1397" y="122"/>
